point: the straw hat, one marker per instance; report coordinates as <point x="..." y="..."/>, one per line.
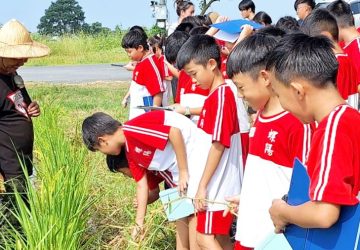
<point x="15" y="42"/>
<point x="213" y="16"/>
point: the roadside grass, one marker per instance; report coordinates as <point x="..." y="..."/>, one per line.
<point x="112" y="215"/>
<point x="81" y="49"/>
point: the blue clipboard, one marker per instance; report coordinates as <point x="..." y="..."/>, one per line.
<point x="344" y="234"/>
<point x="234" y="26"/>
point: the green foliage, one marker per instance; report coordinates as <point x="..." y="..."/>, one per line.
<point x="204" y="5"/>
<point x="62" y="17"/>
<point x="112" y="216"/>
<point x="59" y="201"/>
<point x="82" y="49"/>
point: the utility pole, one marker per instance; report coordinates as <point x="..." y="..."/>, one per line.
<point x="160" y="12"/>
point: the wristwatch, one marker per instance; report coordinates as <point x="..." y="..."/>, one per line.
<point x="187" y="111"/>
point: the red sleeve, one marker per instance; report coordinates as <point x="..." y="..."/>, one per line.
<point x="332" y="178"/>
<point x="148" y="129"/>
<point x="153" y="180"/>
<point x="225" y="121"/>
<point x="136" y="171"/>
<point x="150" y="76"/>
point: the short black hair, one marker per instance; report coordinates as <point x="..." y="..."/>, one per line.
<point x="288" y="24"/>
<point x="173" y="44"/>
<point x="271" y="31"/>
<point x="249" y="56"/>
<point x="187" y="27"/>
<point x="133" y="39"/>
<point x="156" y="42"/>
<point x="199" y="49"/>
<point x="320" y="20"/>
<point x="97" y="125"/>
<point x="114" y="162"/>
<point x="201" y="30"/>
<point x="299" y="56"/>
<point x="195" y="20"/>
<point x="247" y="4"/>
<point x="262" y="18"/>
<point x="310" y="3"/>
<point x="138" y="28"/>
<point x="342" y="13"/>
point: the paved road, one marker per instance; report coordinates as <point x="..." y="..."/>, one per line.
<point x="74" y="74"/>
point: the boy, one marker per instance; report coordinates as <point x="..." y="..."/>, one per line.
<point x="189" y="96"/>
<point x="146" y="88"/>
<point x="247" y="9"/>
<point x="276" y="138"/>
<point x="321" y="22"/>
<point x="303" y="8"/>
<point x="347" y="31"/>
<point x="161" y="141"/>
<point x="303" y="72"/>
<point x="349" y="36"/>
<point x="200" y="57"/>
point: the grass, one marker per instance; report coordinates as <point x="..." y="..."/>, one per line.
<point x="111" y="214"/>
<point x="81" y="49"/>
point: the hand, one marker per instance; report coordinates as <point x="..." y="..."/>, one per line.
<point x="130" y="66"/>
<point x="225" y="51"/>
<point x="183" y="182"/>
<point x="221" y="19"/>
<point x="247" y="30"/>
<point x="124" y="102"/>
<point x="178" y="108"/>
<point x="137" y="233"/>
<point x="276" y="215"/>
<point x="233" y="206"/>
<point x="135" y="203"/>
<point x="33" y="109"/>
<point x="200" y="203"/>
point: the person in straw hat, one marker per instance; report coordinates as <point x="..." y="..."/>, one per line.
<point x="16" y="107"/>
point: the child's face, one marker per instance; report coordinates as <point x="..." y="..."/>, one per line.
<point x="201" y="75"/>
<point x="245" y="13"/>
<point x="135" y="54"/>
<point x="255" y="91"/>
<point x="111" y="144"/>
<point x="291" y="99"/>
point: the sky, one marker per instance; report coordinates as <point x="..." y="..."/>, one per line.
<point x="128" y="13"/>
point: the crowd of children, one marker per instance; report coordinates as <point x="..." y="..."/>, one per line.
<point x="302" y="80"/>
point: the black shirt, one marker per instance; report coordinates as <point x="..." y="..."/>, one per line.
<point x="16" y="128"/>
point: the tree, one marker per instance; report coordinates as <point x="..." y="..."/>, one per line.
<point x="205" y="5"/>
<point x="63" y="16"/>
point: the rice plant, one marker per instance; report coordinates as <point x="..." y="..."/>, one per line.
<point x="59" y="201"/>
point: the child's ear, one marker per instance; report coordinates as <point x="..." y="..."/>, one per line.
<point x="140" y="48"/>
<point x="298" y="89"/>
<point x="264" y="76"/>
<point x="212" y="64"/>
<point x="102" y="141"/>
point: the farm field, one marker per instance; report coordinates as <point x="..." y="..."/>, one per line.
<point x="88" y="207"/>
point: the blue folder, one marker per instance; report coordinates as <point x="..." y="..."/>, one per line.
<point x="343" y="235"/>
<point x="175" y="206"/>
<point x="234" y="26"/>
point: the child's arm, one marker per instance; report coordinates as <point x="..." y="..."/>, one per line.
<point x="125" y="99"/>
<point x="142" y="194"/>
<point x="182" y="110"/>
<point x="157" y="99"/>
<point x="177" y="141"/>
<point x="214" y="157"/>
<point x="174" y="71"/>
<point x="312" y="214"/>
<point x="153" y="196"/>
